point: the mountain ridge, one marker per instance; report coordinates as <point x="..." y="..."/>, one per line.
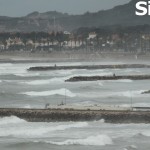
<point x="123" y="15"/>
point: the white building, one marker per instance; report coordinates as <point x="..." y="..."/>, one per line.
<point x="92" y="35"/>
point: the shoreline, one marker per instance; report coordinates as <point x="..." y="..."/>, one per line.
<point x="72" y="56"/>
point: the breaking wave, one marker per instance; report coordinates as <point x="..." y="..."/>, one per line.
<point x="43" y="82"/>
<point x="63" y="92"/>
<point x="6" y="65"/>
<point x="99" y="140"/>
<point x="129" y="93"/>
<point x="26" y="74"/>
<point x="11" y="120"/>
<point x="131" y="147"/>
<point x="32" y="130"/>
<point x="124" y="80"/>
<point x="146" y="133"/>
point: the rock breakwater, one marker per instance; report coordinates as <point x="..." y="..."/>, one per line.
<point x="90" y="67"/>
<point x="54" y="115"/>
<point x="114" y="77"/>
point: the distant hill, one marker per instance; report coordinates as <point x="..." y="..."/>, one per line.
<point x="121" y="15"/>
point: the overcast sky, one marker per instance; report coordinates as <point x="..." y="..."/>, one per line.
<point x="24" y="7"/>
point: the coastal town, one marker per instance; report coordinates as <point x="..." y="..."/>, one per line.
<point x="135" y="39"/>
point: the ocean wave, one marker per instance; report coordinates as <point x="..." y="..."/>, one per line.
<point x="129" y="93"/>
<point x="124" y="80"/>
<point x="101" y="83"/>
<point x="73" y="125"/>
<point x="6" y="65"/>
<point x="99" y="140"/>
<point x="146" y="133"/>
<point x="96" y="74"/>
<point x="26" y="74"/>
<point x="63" y="92"/>
<point x="131" y="147"/>
<point x="11" y="120"/>
<point x="43" y="82"/>
<point x="100" y="121"/>
<point x="33" y="130"/>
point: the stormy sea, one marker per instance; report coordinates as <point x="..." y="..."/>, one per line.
<point x="20" y="88"/>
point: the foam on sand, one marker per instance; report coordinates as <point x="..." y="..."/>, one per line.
<point x="99" y="140"/>
<point x="63" y="92"/>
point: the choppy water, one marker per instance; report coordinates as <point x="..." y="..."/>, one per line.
<point x="20" y="88"/>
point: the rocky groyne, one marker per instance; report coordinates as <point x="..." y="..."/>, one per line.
<point x="53" y="115"/>
<point x="114" y="77"/>
<point x="90" y="67"/>
<point x="146" y="92"/>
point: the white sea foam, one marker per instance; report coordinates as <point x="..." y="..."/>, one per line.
<point x="64" y="92"/>
<point x="11" y="120"/>
<point x="101" y="83"/>
<point x="27" y="106"/>
<point x="125" y="81"/>
<point x="43" y="82"/>
<point x="142" y="104"/>
<point x="131" y="147"/>
<point x="129" y="93"/>
<point x="6" y="65"/>
<point x="26" y="74"/>
<point x="99" y="140"/>
<point x="64" y="72"/>
<point x="146" y="133"/>
<point x="31" y="130"/>
<point x="100" y="121"/>
<point x="96" y="74"/>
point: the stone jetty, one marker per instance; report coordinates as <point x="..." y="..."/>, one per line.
<point x="113" y="77"/>
<point x="62" y="115"/>
<point x="146" y="92"/>
<point x="90" y="67"/>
